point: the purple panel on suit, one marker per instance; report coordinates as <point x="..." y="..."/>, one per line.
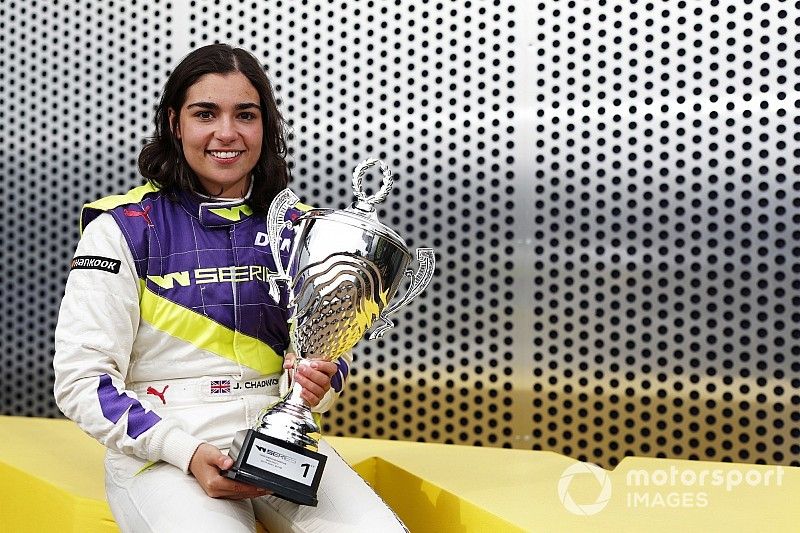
<point x="114" y="405"/>
<point x="193" y="260"/>
<point x="337" y="380"/>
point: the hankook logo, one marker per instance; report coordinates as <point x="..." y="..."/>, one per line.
<point x="95" y="262"/>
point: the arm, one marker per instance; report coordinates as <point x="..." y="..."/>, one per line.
<point x="96" y="328"/>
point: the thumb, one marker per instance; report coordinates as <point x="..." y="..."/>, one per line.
<point x="223" y="461"/>
<point x="288" y="360"/>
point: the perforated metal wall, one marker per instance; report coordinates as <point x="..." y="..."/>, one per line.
<point x="78" y="82"/>
<point x="664" y="201"/>
<point x="611" y="189"/>
<point x="422" y="87"/>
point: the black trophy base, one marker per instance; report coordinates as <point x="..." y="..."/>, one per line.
<point x="290" y="471"/>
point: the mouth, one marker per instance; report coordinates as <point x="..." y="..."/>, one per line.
<point x="225" y="156"/>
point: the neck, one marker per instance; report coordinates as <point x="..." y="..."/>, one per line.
<point x="239" y="191"/>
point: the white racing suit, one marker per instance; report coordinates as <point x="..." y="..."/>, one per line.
<point x="171" y="334"/>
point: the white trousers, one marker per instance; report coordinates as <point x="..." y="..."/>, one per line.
<point x="164" y="499"/>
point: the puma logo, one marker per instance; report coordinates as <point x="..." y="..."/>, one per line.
<point x="144" y="214"/>
<point x="154" y="392"/>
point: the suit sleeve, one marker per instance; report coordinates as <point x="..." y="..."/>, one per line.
<point x="96" y="328"/>
<point x="338" y="381"/>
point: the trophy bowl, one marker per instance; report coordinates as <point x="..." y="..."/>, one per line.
<point x="344" y="269"/>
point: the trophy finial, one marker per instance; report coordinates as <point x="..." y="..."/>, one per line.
<point x="364" y="202"/>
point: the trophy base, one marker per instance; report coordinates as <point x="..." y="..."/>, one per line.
<point x="291" y="472"/>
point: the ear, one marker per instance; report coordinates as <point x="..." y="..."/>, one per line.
<point x="174" y="125"/>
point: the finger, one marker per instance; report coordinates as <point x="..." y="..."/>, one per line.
<point x="244" y="490"/>
<point x="311" y="398"/>
<point x="251" y="492"/>
<point x="223" y="462"/>
<point x="235" y="490"/>
<point x="313" y="387"/>
<point x="326" y="367"/>
<point x="312" y="393"/>
<point x="259" y="492"/>
<point x="314" y="375"/>
<point x="288" y="360"/>
<point x="319" y="372"/>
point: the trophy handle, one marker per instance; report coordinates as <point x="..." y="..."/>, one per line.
<point x="276" y="223"/>
<point x="420" y="280"/>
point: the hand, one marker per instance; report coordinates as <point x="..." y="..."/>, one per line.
<point x="313" y="376"/>
<point x="206" y="464"/>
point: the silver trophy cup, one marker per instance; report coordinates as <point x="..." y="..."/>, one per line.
<point x="344" y="269"/>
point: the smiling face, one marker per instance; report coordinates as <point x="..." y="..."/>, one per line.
<point x="221" y="130"/>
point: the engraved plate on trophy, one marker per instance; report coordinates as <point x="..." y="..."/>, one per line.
<point x="344" y="269"/>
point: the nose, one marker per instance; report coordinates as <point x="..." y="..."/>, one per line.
<point x="226" y="132"/>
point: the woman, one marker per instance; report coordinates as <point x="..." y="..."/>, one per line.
<point x="168" y="341"/>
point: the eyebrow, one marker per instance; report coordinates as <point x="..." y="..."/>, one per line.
<point x="213" y="106"/>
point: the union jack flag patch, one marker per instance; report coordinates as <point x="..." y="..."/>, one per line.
<point x="221" y="387"/>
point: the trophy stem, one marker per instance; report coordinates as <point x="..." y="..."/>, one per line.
<point x="291" y="420"/>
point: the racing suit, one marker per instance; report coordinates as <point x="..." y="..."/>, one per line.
<point x="171" y="334"/>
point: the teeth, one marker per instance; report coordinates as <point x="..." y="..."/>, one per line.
<point x="225" y="155"/>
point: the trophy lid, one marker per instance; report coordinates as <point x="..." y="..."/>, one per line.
<point x="362" y="213"/>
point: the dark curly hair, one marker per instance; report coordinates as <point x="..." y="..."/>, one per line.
<point x="162" y="162"/>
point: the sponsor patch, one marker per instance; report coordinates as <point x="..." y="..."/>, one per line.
<point x="144" y="214"/>
<point x="255" y="384"/>
<point x="95" y="262"/>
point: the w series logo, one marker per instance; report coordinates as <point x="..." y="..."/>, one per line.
<point x="225" y="274"/>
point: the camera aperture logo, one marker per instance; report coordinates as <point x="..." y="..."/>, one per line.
<point x="585" y="509"/>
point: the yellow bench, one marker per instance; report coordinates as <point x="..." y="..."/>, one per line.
<point x="51" y="480"/>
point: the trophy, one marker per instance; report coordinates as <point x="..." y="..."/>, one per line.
<point x="344" y="269"/>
